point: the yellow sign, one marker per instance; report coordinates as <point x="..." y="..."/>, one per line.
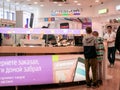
<point x="103" y="11"/>
<point x="55" y="58"/>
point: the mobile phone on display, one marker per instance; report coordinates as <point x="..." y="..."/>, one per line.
<point x="79" y="73"/>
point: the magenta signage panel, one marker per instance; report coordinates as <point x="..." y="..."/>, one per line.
<point x="25" y="70"/>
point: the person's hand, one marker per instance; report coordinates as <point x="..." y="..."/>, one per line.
<point x="118" y="52"/>
<point x="109" y="41"/>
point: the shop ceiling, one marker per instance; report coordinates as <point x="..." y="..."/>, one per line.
<point x="45" y="3"/>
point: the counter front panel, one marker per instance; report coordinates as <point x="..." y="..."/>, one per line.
<point x="44" y="69"/>
<point x="41" y="50"/>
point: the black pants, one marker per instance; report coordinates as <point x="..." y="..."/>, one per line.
<point x="0" y="42"/>
<point x="111" y="55"/>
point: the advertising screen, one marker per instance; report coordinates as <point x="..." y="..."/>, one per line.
<point x="25" y="70"/>
<point x="44" y="69"/>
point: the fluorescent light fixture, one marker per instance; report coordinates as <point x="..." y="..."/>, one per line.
<point x="102" y="11"/>
<point x="8" y="0"/>
<point x="118" y="7"/>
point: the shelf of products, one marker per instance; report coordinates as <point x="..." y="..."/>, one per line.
<point x="7" y="39"/>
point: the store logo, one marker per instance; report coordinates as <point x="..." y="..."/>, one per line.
<point x="65" y="12"/>
<point x="49" y="19"/>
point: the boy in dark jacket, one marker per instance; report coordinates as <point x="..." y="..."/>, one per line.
<point x="89" y="42"/>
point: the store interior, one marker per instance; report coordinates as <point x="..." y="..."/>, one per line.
<point x="17" y="13"/>
<point x="49" y="24"/>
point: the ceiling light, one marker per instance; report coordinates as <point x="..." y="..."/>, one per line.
<point x="8" y="0"/>
<point x="79" y="4"/>
<point x="75" y="1"/>
<point x="59" y="4"/>
<point x="35" y="2"/>
<point x="55" y="2"/>
<point x="42" y="5"/>
<point x="28" y="0"/>
<point x="97" y="0"/>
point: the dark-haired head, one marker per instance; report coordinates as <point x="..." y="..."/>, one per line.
<point x="88" y="30"/>
<point x="95" y="33"/>
<point x="109" y="27"/>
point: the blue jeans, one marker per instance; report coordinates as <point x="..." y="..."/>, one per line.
<point x="111" y="55"/>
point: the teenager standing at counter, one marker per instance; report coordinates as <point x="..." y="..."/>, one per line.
<point x="110" y="39"/>
<point x="100" y="53"/>
<point x="89" y="42"/>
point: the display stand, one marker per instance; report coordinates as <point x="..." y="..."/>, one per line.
<point x="7" y="39"/>
<point x="4" y="22"/>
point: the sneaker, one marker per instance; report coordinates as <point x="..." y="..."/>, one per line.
<point x="100" y="82"/>
<point x="95" y="86"/>
<point x="111" y="65"/>
<point x="88" y="85"/>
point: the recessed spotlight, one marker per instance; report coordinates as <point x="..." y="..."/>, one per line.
<point x="90" y="5"/>
<point x="97" y="1"/>
<point x="55" y="2"/>
<point x="35" y="2"/>
<point x="78" y="4"/>
<point x="75" y="1"/>
<point x="42" y="5"/>
<point x="101" y="2"/>
<point x="59" y="4"/>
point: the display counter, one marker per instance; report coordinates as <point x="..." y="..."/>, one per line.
<point x="41" y="69"/>
<point x="41" y="50"/>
